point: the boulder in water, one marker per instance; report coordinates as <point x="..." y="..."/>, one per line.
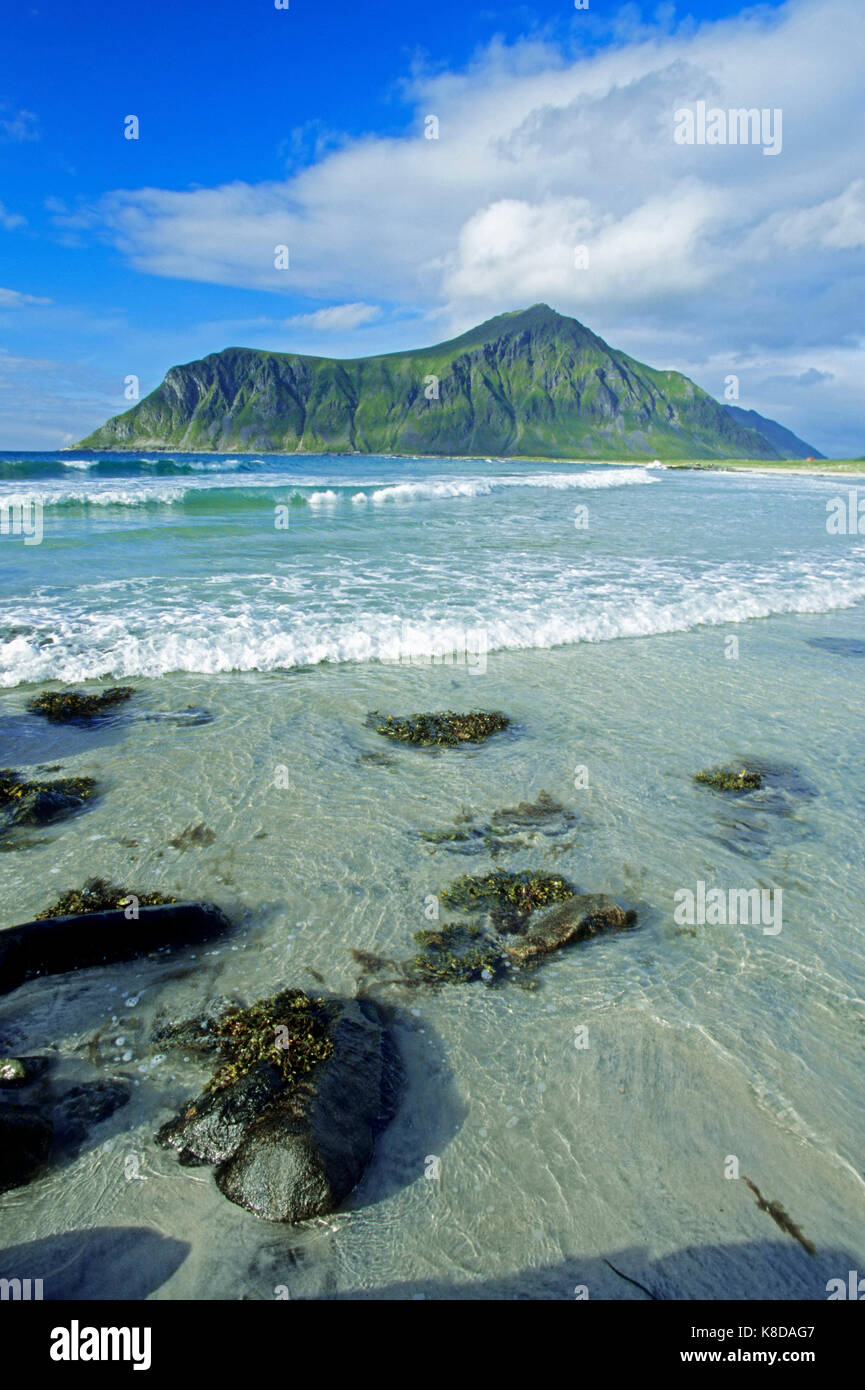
<point x="291" y="1116"/>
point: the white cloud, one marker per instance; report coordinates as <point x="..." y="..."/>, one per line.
<point x="338" y="318"/>
<point x="10" y="221"/>
<point x="18" y="127"/>
<point x="838" y="223"/>
<point x="14" y="299"/>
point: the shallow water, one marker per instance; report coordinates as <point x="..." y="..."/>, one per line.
<point x="703" y="1042"/>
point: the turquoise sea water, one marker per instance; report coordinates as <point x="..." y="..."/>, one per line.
<point x="637" y="624"/>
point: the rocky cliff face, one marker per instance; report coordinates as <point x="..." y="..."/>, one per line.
<point x="532" y="383"/>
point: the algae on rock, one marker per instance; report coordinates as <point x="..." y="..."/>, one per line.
<point x="37" y="803"/>
<point x="725" y="779"/>
<point x="444" y="729"/>
<point x="509" y="897"/>
<point x="459" y="951"/>
<point x="62" y="705"/>
<point x="97" y="895"/>
<point x="289" y="1031"/>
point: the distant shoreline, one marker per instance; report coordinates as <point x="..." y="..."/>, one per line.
<point x="826" y="467"/>
<point x="829" y="468"/>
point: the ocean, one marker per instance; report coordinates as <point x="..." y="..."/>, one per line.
<point x="637" y="624"/>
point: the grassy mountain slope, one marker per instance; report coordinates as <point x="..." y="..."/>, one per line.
<point x="531" y="383"/>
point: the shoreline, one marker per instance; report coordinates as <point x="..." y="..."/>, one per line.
<point x="851" y="468"/>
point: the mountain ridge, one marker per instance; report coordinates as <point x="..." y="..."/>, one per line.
<point x="530" y="383"/>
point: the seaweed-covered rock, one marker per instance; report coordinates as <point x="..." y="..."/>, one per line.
<point x="21" y="1071"/>
<point x="579" y="919"/>
<point x="63" y="706"/>
<point x="25" y="1143"/>
<point x="58" y="944"/>
<point x="291" y="1113"/>
<point x="726" y="779"/>
<point x="510" y="898"/>
<point x="445" y="729"/>
<point x="200" y="1034"/>
<point x="98" y="895"/>
<point x="37" y="803"/>
<point x="459" y="951"/>
<point x="530" y="825"/>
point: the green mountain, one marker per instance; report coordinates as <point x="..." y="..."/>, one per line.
<point x="788" y="444"/>
<point x="531" y="383"/>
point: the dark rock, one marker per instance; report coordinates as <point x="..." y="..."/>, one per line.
<point x="292" y="1137"/>
<point x="25" y="1143"/>
<point x="306" y="1155"/>
<point x="39" y="803"/>
<point x="211" y="1128"/>
<point x="59" y="944"/>
<point x="86" y="1105"/>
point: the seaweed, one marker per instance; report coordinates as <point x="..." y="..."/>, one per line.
<point x="444" y="837"/>
<point x="724" y="779"/>
<point x="531" y="812"/>
<point x="97" y="895"/>
<point x="288" y="1031"/>
<point x="14" y="789"/>
<point x="511" y="828"/>
<point x="445" y="729"/>
<point x="193" y="835"/>
<point x="61" y="706"/>
<point x="458" y="952"/>
<point x="510" y="897"/>
<point x="781" y="1217"/>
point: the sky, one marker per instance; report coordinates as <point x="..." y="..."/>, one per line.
<point x="557" y="175"/>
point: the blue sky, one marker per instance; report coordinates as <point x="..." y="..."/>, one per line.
<point x="305" y="127"/>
